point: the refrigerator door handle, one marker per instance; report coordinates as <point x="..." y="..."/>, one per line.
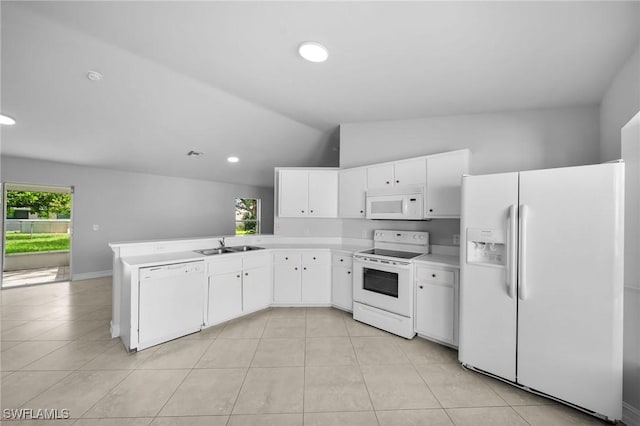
<point x="522" y="270"/>
<point x="511" y="251"/>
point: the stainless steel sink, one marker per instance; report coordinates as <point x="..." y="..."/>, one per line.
<point x="244" y="248"/>
<point x="214" y="251"/>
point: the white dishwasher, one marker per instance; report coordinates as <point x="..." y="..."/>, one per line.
<point x="170" y="302"/>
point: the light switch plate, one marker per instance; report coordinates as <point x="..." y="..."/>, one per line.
<point x="456" y="239"/>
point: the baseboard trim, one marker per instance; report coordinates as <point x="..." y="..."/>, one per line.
<point x="115" y="330"/>
<point x="90" y="275"/>
<point x="630" y="415"/>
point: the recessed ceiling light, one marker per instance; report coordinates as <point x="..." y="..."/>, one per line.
<point x="94" y="75"/>
<point x="313" y="51"/>
<point x="194" y="154"/>
<point x="5" y="120"/>
<point x="233" y="159"/>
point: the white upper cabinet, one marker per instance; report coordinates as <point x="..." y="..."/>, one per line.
<point x="307" y="193"/>
<point x="352" y="187"/>
<point x="323" y="193"/>
<point x="380" y="176"/>
<point x="444" y="180"/>
<point x="411" y="172"/>
<point x="293" y="193"/>
<point x="407" y="172"/>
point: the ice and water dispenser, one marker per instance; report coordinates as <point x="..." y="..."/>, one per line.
<point x="486" y="246"/>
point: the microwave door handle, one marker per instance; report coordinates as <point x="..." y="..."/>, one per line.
<point x="405" y="206"/>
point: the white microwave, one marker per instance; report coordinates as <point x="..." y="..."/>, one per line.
<point x="400" y="203"/>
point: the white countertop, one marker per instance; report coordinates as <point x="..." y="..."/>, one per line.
<point x="439" y="259"/>
<point x="187" y="256"/>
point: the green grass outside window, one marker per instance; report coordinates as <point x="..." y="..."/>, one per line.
<point x="17" y="242"/>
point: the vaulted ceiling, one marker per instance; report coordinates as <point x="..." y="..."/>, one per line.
<point x="224" y="78"/>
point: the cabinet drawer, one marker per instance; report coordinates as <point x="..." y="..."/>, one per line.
<point x="226" y="266"/>
<point x="342" y="260"/>
<point x="434" y="275"/>
<point x="256" y="261"/>
<point x="287" y="258"/>
<point x="316" y="258"/>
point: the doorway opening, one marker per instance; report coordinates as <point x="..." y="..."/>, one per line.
<point x="37" y="234"/>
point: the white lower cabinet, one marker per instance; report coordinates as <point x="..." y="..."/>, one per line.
<point x="256" y="289"/>
<point x="342" y="282"/>
<point x="302" y="279"/>
<point x="287" y="279"/>
<point x="436" y="310"/>
<point x="225" y="296"/>
<point x="238" y="286"/>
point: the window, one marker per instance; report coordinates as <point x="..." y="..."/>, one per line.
<point x="247" y="216"/>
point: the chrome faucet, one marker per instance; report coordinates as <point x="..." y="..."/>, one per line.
<point x="221" y="242"/>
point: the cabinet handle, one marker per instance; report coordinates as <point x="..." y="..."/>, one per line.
<point x="286" y="258"/>
<point x="341" y="260"/>
<point x="430" y="210"/>
<point x="304" y="268"/>
<point x="361" y="211"/>
<point x="397" y="181"/>
<point x="246" y="274"/>
<point x="296" y="268"/>
<point x="349" y="272"/>
<point x="237" y="276"/>
<point x="433" y="275"/>
<point x="314" y="258"/>
<point x="387" y="182"/>
<point x="310" y="211"/>
<point x="421" y="286"/>
<point x="302" y="211"/>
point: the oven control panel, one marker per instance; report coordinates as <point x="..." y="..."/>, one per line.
<point x="402" y="237"/>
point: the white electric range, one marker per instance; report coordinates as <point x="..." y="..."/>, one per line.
<point x="383" y="280"/>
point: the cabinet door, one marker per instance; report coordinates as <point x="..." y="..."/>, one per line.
<point x="352" y="187"/>
<point x="286" y="284"/>
<point x="256" y="289"/>
<point x="444" y="182"/>
<point x="323" y="193"/>
<point x="225" y="296"/>
<point x="342" y="288"/>
<point x="380" y="176"/>
<point x="316" y="284"/>
<point x="293" y="193"/>
<point x="435" y="311"/>
<point x="411" y="172"/>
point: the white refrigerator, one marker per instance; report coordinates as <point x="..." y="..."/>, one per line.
<point x="541" y="289"/>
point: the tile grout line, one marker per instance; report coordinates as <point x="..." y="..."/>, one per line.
<point x="181" y="382"/>
<point x="432" y="392"/>
<point x="244" y="379"/>
<point x="355" y="353"/>
<point x="105" y="395"/>
<point x="304" y="364"/>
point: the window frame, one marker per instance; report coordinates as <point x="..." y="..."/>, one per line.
<point x="257" y="220"/>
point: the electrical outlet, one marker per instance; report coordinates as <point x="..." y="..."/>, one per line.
<point x="456" y="239"/>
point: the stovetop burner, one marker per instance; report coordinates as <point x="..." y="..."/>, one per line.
<point x="391" y="253"/>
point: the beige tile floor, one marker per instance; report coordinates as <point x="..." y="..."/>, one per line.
<point x="287" y="366"/>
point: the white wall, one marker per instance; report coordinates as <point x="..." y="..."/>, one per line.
<point x="620" y="102"/>
<point x="505" y="141"/>
<point x="136" y="206"/>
